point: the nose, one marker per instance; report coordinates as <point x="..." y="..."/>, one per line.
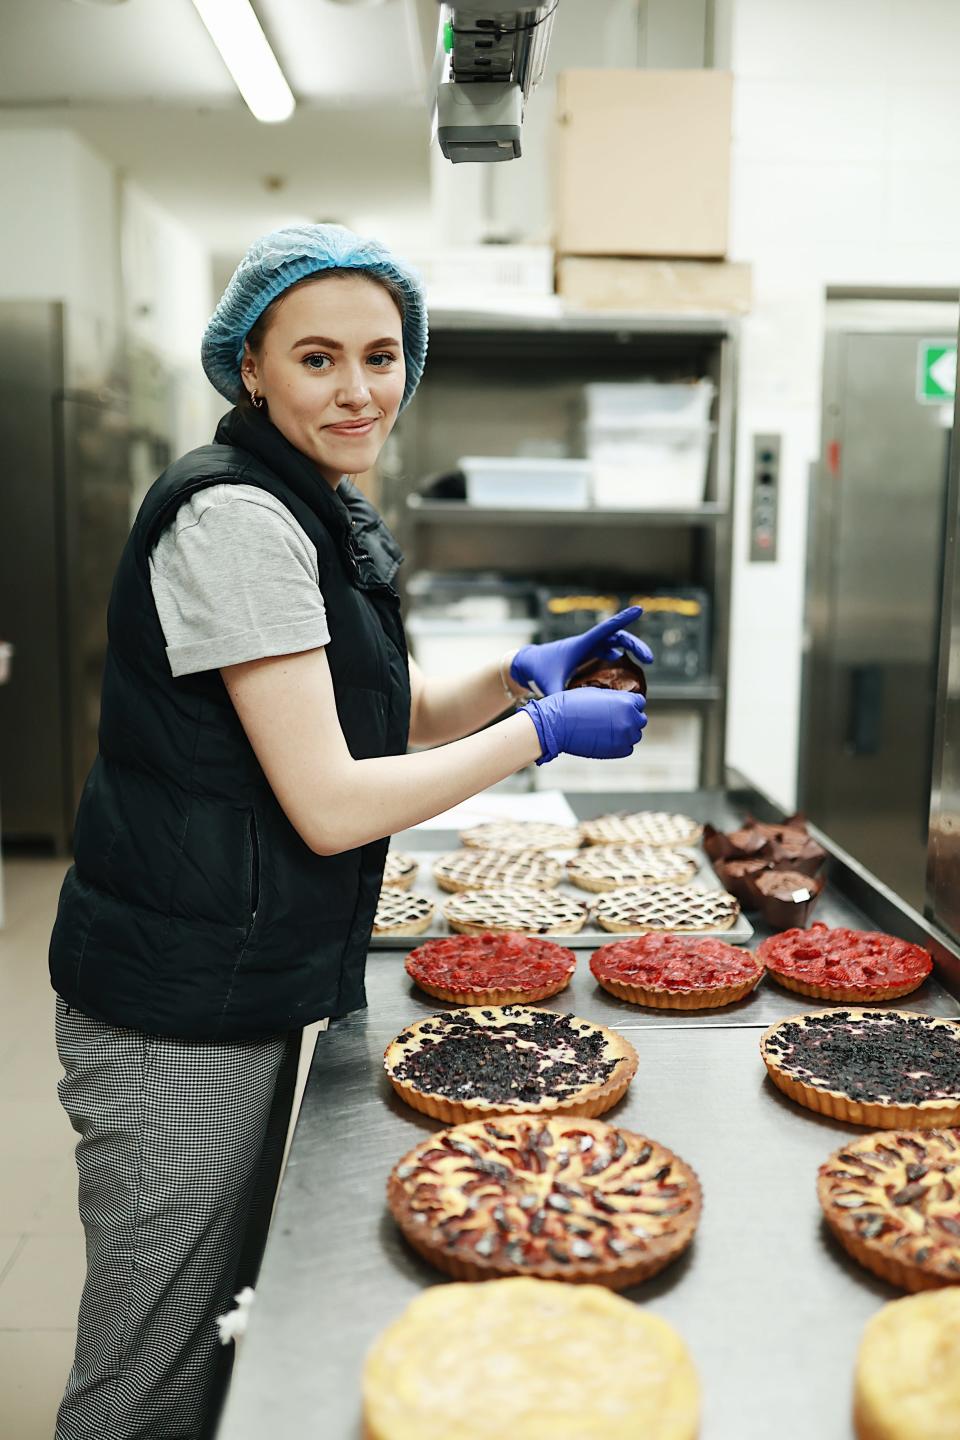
<point x="354" y="394"/>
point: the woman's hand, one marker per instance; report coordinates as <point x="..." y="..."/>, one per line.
<point x="545" y="669"/>
<point x="598" y="724"/>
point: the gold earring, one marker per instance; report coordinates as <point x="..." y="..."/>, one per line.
<point x="256" y="400"/>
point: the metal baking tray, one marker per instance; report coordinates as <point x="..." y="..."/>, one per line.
<point x="588" y="938"/>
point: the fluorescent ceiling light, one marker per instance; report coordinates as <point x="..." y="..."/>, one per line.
<point x="236" y="32"/>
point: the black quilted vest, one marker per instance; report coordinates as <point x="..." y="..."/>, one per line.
<point x="194" y="909"/>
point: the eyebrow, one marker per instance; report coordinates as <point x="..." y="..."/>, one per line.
<point x="336" y="345"/>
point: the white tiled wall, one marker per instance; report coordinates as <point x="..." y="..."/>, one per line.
<point x="844" y="172"/>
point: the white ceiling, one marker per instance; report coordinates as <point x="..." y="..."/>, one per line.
<point x="143" y="84"/>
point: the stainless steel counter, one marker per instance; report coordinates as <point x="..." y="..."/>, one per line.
<point x="771" y="1309"/>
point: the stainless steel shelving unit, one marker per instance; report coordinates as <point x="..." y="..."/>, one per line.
<point x="771" y="1308"/>
<point x="496" y="381"/>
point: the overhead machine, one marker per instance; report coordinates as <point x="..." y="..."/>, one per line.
<point x="484" y="63"/>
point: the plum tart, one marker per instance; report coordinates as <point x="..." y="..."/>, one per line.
<point x="555" y="1198"/>
<point x="893" y="1202"/>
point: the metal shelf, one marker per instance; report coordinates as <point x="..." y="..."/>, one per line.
<point x="692" y="692"/>
<point x="555" y="316"/>
<point x="458" y="512"/>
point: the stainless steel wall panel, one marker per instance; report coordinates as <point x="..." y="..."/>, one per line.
<point x="874" y="575"/>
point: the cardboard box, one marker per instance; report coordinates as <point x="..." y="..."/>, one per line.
<point x="643" y="162"/>
<point x="664" y="286"/>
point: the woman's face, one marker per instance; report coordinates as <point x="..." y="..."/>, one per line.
<point x="331" y="370"/>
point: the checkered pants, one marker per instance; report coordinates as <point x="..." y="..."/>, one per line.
<point x="179" y="1152"/>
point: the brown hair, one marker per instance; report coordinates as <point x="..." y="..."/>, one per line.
<point x="258" y="330"/>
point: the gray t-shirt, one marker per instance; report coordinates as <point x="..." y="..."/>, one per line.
<point x="235" y="578"/>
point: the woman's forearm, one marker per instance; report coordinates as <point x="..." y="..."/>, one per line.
<point x="450" y="707"/>
<point x="363" y="800"/>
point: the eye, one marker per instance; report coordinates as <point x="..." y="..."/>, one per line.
<point x="314" y="362"/>
<point x="384" y="357"/>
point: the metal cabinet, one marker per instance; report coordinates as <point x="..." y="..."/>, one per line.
<point x="500" y="386"/>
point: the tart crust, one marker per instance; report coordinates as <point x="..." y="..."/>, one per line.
<point x="692" y="909"/>
<point x="400" y="912"/>
<point x="802" y="960"/>
<point x="461" y="1358"/>
<point x="562" y="1199"/>
<point x="875" y="1113"/>
<point x="488" y="955"/>
<point x="920" y="1401"/>
<point x="692" y="954"/>
<point x="611" y="867"/>
<point x="642" y="827"/>
<point x="617" y="1060"/>
<point x="484" y="869"/>
<point x="400" y="870"/>
<point x="519" y="909"/>
<point x="893" y="1202"/>
<point x="520" y="835"/>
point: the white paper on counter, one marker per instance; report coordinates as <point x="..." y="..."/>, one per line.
<point x="548" y="806"/>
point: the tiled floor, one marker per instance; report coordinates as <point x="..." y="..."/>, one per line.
<point x="41" y="1242"/>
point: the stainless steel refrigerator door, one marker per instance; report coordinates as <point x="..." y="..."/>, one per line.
<point x="96" y="522"/>
<point x="33" y="718"/>
<point x="943" y="860"/>
<point x="64" y="516"/>
<point x="876" y="567"/>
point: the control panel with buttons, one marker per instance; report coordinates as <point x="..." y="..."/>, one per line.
<point x="764" y="496"/>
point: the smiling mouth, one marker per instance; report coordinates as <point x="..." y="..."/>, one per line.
<point x="354" y="427"/>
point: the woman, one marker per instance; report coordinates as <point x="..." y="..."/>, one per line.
<point x="257" y="705"/>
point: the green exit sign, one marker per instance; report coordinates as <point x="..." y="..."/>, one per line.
<point x="936" y="372"/>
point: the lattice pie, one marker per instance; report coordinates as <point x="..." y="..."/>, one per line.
<point x="612" y="867"/>
<point x="528" y="912"/>
<point x="399" y="870"/>
<point x="667" y="907"/>
<point x="400" y="913"/>
<point x="643" y="827"/>
<point x="489" y="869"/>
<point x="520" y="835"/>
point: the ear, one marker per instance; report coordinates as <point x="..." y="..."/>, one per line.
<point x="249" y="370"/>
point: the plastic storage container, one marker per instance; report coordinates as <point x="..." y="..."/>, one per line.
<point x="515" y="482"/>
<point x="649" y="443"/>
<point x="684" y="403"/>
<point x="448" y="646"/>
<point x="648" y="470"/>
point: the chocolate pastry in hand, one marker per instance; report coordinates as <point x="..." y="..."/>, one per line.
<point x="622" y="674"/>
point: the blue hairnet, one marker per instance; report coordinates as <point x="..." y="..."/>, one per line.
<point x="278" y="260"/>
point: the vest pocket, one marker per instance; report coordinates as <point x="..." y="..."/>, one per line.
<point x="254" y="889"/>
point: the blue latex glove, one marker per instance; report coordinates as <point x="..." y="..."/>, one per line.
<point x="598" y="724"/>
<point x="545" y="669"/>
